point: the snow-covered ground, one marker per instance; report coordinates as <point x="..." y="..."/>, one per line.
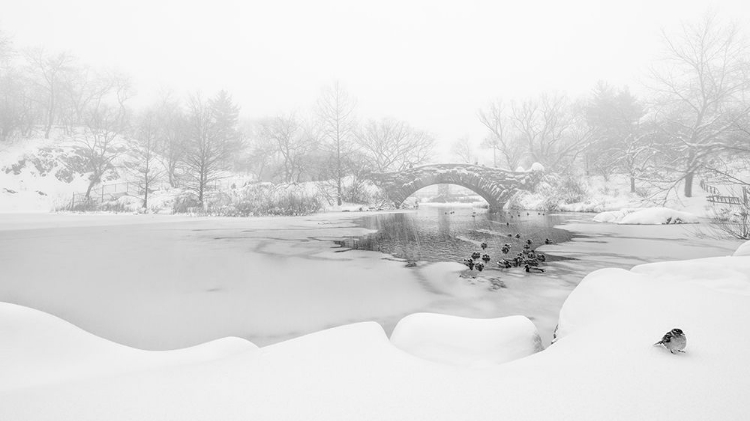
<point x="603" y="365"/>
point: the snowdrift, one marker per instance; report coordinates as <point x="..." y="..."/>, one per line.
<point x="647" y="216"/>
<point x="466" y="342"/>
<point x="602" y="366"/>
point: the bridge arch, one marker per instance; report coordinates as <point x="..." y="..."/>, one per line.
<point x="494" y="185"/>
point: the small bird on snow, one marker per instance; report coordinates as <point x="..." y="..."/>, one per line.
<point x="674" y="341"/>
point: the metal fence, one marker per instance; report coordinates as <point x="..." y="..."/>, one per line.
<point x="105" y="193"/>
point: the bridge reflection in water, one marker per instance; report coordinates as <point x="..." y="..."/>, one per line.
<point x="434" y="234"/>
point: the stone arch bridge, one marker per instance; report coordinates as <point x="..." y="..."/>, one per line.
<point x="495" y="186"/>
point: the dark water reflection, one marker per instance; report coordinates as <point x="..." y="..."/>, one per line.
<point x="452" y="233"/>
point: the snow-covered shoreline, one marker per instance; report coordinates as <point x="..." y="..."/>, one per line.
<point x="603" y="365"/>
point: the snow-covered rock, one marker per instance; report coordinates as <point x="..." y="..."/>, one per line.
<point x="520" y="169"/>
<point x="537" y="167"/>
<point x="466" y="342"/>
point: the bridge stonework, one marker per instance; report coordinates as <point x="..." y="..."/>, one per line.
<point x="495" y="186"/>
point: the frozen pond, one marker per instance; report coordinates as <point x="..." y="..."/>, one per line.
<point x="163" y="282"/>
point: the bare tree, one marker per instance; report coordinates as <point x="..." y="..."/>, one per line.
<point x="83" y="88"/>
<point x="293" y="140"/>
<point x="701" y="88"/>
<point x="144" y="153"/>
<point x="553" y="130"/>
<point x="97" y="144"/>
<point x="464" y="149"/>
<point x="621" y="139"/>
<point x="500" y="138"/>
<point x="212" y="139"/>
<point x="335" y="110"/>
<point x="50" y="69"/>
<point x="392" y="145"/>
<point x="171" y="135"/>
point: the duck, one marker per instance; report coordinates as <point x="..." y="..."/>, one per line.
<point x="528" y="242"/>
<point x="505" y="250"/>
<point x="483" y="246"/>
<point x="504" y="264"/>
<point x="547" y="241"/>
<point x="470" y="264"/>
<point x="518" y="235"/>
<point x="533" y="269"/>
<point x="480" y="266"/>
<point x="541" y="257"/>
<point x="507" y="224"/>
<point x="475" y="255"/>
<point x="486" y="258"/>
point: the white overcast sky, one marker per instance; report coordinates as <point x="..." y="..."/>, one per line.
<point x="432" y="63"/>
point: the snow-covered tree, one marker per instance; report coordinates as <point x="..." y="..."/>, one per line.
<point x="621" y="140"/>
<point x="701" y="87"/>
<point x="212" y="139"/>
<point x="336" y="114"/>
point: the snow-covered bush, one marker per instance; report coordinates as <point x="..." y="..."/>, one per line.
<point x="551" y="193"/>
<point x="270" y="199"/>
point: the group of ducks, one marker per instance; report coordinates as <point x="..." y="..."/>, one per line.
<point x="528" y="258"/>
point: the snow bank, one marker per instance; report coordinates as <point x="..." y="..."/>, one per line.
<point x="466" y="342"/>
<point x="614" y="216"/>
<point x="647" y="216"/>
<point x="42" y="349"/>
<point x="743" y="250"/>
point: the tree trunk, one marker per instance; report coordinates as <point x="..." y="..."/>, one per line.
<point x="689" y="184"/>
<point x="632" y="184"/>
<point x="51" y="114"/>
<point x="690" y="173"/>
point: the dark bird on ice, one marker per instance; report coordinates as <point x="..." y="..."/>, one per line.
<point x="480" y="266"/>
<point x="547" y="241"/>
<point x="533" y="269"/>
<point x="518" y="235"/>
<point x="486" y="258"/>
<point x="475" y="255"/>
<point x="483" y="245"/>
<point x="674" y="341"/>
